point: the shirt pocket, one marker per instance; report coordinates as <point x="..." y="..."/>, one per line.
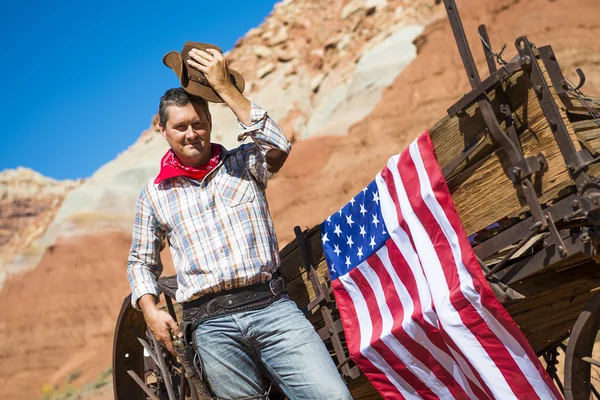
<point x="235" y="190"/>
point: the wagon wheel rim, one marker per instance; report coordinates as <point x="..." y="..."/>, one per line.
<point x="578" y="356"/>
<point x="134" y="374"/>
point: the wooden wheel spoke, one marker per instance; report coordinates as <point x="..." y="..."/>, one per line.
<point x="591" y="361"/>
<point x="142" y="385"/>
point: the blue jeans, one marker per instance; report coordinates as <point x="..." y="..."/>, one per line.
<point x="281" y="338"/>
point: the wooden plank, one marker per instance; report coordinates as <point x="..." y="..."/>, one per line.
<point x="481" y="189"/>
<point x="361" y="389"/>
<point x="588" y="133"/>
<point x="577" y="110"/>
<point x="292" y="263"/>
<point x="547" y="318"/>
<point x="300" y="289"/>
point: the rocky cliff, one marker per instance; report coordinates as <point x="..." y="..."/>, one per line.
<point x="351" y="83"/>
<point x="28" y="203"/>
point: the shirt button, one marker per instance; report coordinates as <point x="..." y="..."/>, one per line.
<point x="207" y="208"/>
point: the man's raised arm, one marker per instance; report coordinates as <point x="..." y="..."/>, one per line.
<point x="272" y="142"/>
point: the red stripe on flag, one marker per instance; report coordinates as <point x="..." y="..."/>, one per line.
<point x="376" y="342"/>
<point x="437" y="336"/>
<point x="352" y="332"/>
<point x="416" y="349"/>
<point x="488" y="299"/>
<point x="495" y="349"/>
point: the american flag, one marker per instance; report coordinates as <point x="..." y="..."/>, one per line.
<point x="419" y="318"/>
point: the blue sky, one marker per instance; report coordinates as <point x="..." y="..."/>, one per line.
<point x="81" y="79"/>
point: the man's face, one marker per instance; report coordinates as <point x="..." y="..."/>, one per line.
<point x="188" y="133"/>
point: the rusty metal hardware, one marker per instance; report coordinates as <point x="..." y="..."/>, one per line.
<point x="551" y="359"/>
<point x="573" y="244"/>
<point x="578" y="354"/>
<point x="561" y="210"/>
<point x="589" y="201"/>
<point x="574" y="159"/>
<point x="469" y="148"/>
<point x="559" y="83"/>
<point x="479" y="90"/>
<point x="148" y="349"/>
<point x="163" y="367"/>
<point x="522" y="168"/>
<point x="556" y="239"/>
<point x="500" y="93"/>
<point x="512" y="149"/>
<point x="498" y="267"/>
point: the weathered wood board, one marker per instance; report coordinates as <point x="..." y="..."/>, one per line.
<point x="481" y="189"/>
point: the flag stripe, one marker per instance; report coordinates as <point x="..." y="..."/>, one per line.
<point x="464" y="321"/>
<point x="469" y="271"/>
<point x="419" y="318"/>
<point x="397" y="355"/>
<point x="352" y="332"/>
<point x="394" y="223"/>
<point x="400" y="233"/>
<point x="365" y="329"/>
<point x="408" y="332"/>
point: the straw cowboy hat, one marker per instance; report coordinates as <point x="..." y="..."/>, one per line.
<point x="193" y="81"/>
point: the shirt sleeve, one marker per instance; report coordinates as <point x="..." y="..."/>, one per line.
<point x="267" y="135"/>
<point x="144" y="265"/>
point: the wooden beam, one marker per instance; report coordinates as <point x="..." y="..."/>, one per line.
<point x="481" y="189"/>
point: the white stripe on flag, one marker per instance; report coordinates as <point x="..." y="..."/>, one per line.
<point x="416" y="367"/>
<point x="414" y="330"/>
<point x="514" y="348"/>
<point x="448" y="315"/>
<point x="402" y="241"/>
<point x="366" y="331"/>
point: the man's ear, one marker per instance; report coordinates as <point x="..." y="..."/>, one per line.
<point x="163" y="132"/>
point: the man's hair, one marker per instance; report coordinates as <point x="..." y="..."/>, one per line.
<point x="179" y="98"/>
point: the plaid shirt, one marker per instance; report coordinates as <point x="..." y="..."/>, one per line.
<point x="219" y="229"/>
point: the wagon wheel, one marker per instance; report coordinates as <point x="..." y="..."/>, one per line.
<point x="162" y="373"/>
<point x="137" y="374"/>
<point x="139" y="361"/>
<point x="582" y="371"/>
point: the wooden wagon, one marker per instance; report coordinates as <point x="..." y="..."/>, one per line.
<point x="519" y="153"/>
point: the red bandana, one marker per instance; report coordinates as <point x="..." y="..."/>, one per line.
<point x="171" y="167"/>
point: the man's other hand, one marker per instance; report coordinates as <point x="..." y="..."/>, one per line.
<point x="212" y="63"/>
<point x="160" y="322"/>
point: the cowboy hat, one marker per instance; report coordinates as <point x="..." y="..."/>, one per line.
<point x="193" y="81"/>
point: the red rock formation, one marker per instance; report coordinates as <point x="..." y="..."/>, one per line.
<point x="421" y="94"/>
<point x="28" y="202"/>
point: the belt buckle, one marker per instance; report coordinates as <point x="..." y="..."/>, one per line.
<point x="271" y="282"/>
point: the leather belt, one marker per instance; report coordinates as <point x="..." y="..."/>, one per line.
<point x="247" y="298"/>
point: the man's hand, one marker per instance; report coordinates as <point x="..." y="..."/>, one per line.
<point x="212" y="63"/>
<point x="160" y="322"/>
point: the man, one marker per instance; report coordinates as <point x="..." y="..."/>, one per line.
<point x="209" y="204"/>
